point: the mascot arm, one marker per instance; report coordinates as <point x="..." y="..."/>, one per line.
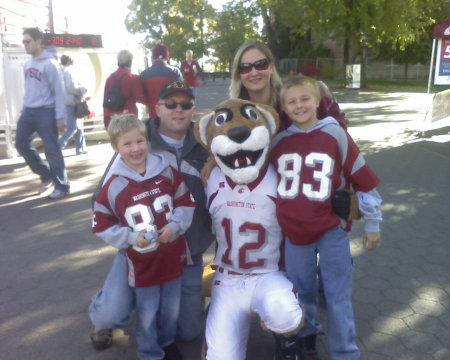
<point x="206" y="170"/>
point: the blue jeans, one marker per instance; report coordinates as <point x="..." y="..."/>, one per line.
<point x="112" y="305"/>
<point x="157" y="309"/>
<point x="73" y="130"/>
<point x="336" y="265"/>
<point x="194" y="91"/>
<point x="191" y="321"/>
<point x="43" y="122"/>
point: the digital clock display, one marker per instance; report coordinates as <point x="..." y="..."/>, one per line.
<point x="74" y="41"/>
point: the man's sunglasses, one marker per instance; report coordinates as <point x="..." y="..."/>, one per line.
<point x="245" y="68"/>
<point x="171" y="104"/>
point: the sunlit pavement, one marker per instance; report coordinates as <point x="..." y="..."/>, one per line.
<point x="51" y="264"/>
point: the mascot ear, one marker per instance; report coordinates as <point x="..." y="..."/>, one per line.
<point x="200" y="129"/>
<point x="271" y="116"/>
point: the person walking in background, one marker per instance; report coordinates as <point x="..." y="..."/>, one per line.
<point x="129" y="84"/>
<point x="154" y="77"/>
<point x="44" y="113"/>
<point x="191" y="71"/>
<point x="74" y="93"/>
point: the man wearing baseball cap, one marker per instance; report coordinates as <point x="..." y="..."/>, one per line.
<point x="170" y="133"/>
<point x="154" y="77"/>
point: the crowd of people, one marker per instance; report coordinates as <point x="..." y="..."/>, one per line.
<point x="151" y="204"/>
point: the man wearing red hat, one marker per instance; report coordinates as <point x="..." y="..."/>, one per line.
<point x="154" y="77"/>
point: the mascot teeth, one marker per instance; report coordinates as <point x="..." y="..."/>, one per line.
<point x="241" y="159"/>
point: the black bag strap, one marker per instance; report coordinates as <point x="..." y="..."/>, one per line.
<point x="118" y="82"/>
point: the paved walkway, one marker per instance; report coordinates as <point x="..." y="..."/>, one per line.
<point x="51" y="264"/>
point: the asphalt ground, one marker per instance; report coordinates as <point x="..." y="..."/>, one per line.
<point x="52" y="265"/>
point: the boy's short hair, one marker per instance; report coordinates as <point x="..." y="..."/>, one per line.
<point x="35" y="33"/>
<point x="300" y="80"/>
<point x="123" y="123"/>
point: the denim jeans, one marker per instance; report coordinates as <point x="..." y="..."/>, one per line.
<point x="43" y="122"/>
<point x="73" y="130"/>
<point x="336" y="267"/>
<point x="112" y="305"/>
<point x="191" y="321"/>
<point x="157" y="309"/>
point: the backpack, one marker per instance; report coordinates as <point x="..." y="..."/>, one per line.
<point x="114" y="98"/>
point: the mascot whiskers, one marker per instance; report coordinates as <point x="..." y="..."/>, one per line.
<point x="241" y="195"/>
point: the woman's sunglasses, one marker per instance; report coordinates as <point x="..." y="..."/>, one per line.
<point x="171" y="104"/>
<point x="245" y="68"/>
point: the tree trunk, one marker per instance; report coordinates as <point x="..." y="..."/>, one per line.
<point x="405" y="72"/>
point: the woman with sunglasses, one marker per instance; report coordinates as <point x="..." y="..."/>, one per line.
<point x="254" y="77"/>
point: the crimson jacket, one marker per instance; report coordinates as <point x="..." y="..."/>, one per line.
<point x="131" y="88"/>
<point x="190" y="77"/>
<point x="153" y="78"/>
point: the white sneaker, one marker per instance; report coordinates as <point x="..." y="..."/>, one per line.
<point x="57" y="194"/>
<point x="44" y="186"/>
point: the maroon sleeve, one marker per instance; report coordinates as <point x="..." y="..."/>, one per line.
<point x="329" y="107"/>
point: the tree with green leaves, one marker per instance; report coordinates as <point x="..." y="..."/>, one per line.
<point x="357" y="24"/>
<point x="236" y="23"/>
<point x="180" y="24"/>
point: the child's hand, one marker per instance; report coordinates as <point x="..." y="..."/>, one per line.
<point x="165" y="235"/>
<point x="141" y="241"/>
<point x="371" y="240"/>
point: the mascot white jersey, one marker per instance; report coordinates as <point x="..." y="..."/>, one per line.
<point x="241" y="199"/>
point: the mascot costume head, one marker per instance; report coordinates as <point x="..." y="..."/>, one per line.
<point x="237" y="133"/>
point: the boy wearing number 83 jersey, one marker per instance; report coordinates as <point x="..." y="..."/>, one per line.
<point x="314" y="159"/>
<point x="145" y="195"/>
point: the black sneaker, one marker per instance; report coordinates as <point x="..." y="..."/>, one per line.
<point x="172" y="352"/>
<point x="308" y="348"/>
<point x="287" y="348"/>
<point x="101" y="339"/>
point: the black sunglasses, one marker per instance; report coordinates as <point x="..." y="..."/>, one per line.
<point x="172" y="104"/>
<point x="245" y="68"/>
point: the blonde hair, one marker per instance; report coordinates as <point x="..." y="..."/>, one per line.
<point x="300" y="80"/>
<point x="124" y="58"/>
<point x="237" y="90"/>
<point x="123" y="123"/>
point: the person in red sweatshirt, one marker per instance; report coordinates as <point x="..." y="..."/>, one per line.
<point x="130" y="86"/>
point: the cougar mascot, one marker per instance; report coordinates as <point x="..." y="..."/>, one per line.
<point x="241" y="194"/>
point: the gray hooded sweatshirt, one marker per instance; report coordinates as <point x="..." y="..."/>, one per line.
<point x="44" y="84"/>
<point x="122" y="236"/>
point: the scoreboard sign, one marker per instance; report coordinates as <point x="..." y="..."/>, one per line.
<point x="73" y="41"/>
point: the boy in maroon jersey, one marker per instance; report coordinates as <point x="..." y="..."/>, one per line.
<point x="145" y="207"/>
<point x="314" y="159"/>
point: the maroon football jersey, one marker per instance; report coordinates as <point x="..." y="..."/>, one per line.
<point x="311" y="166"/>
<point x="145" y="206"/>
